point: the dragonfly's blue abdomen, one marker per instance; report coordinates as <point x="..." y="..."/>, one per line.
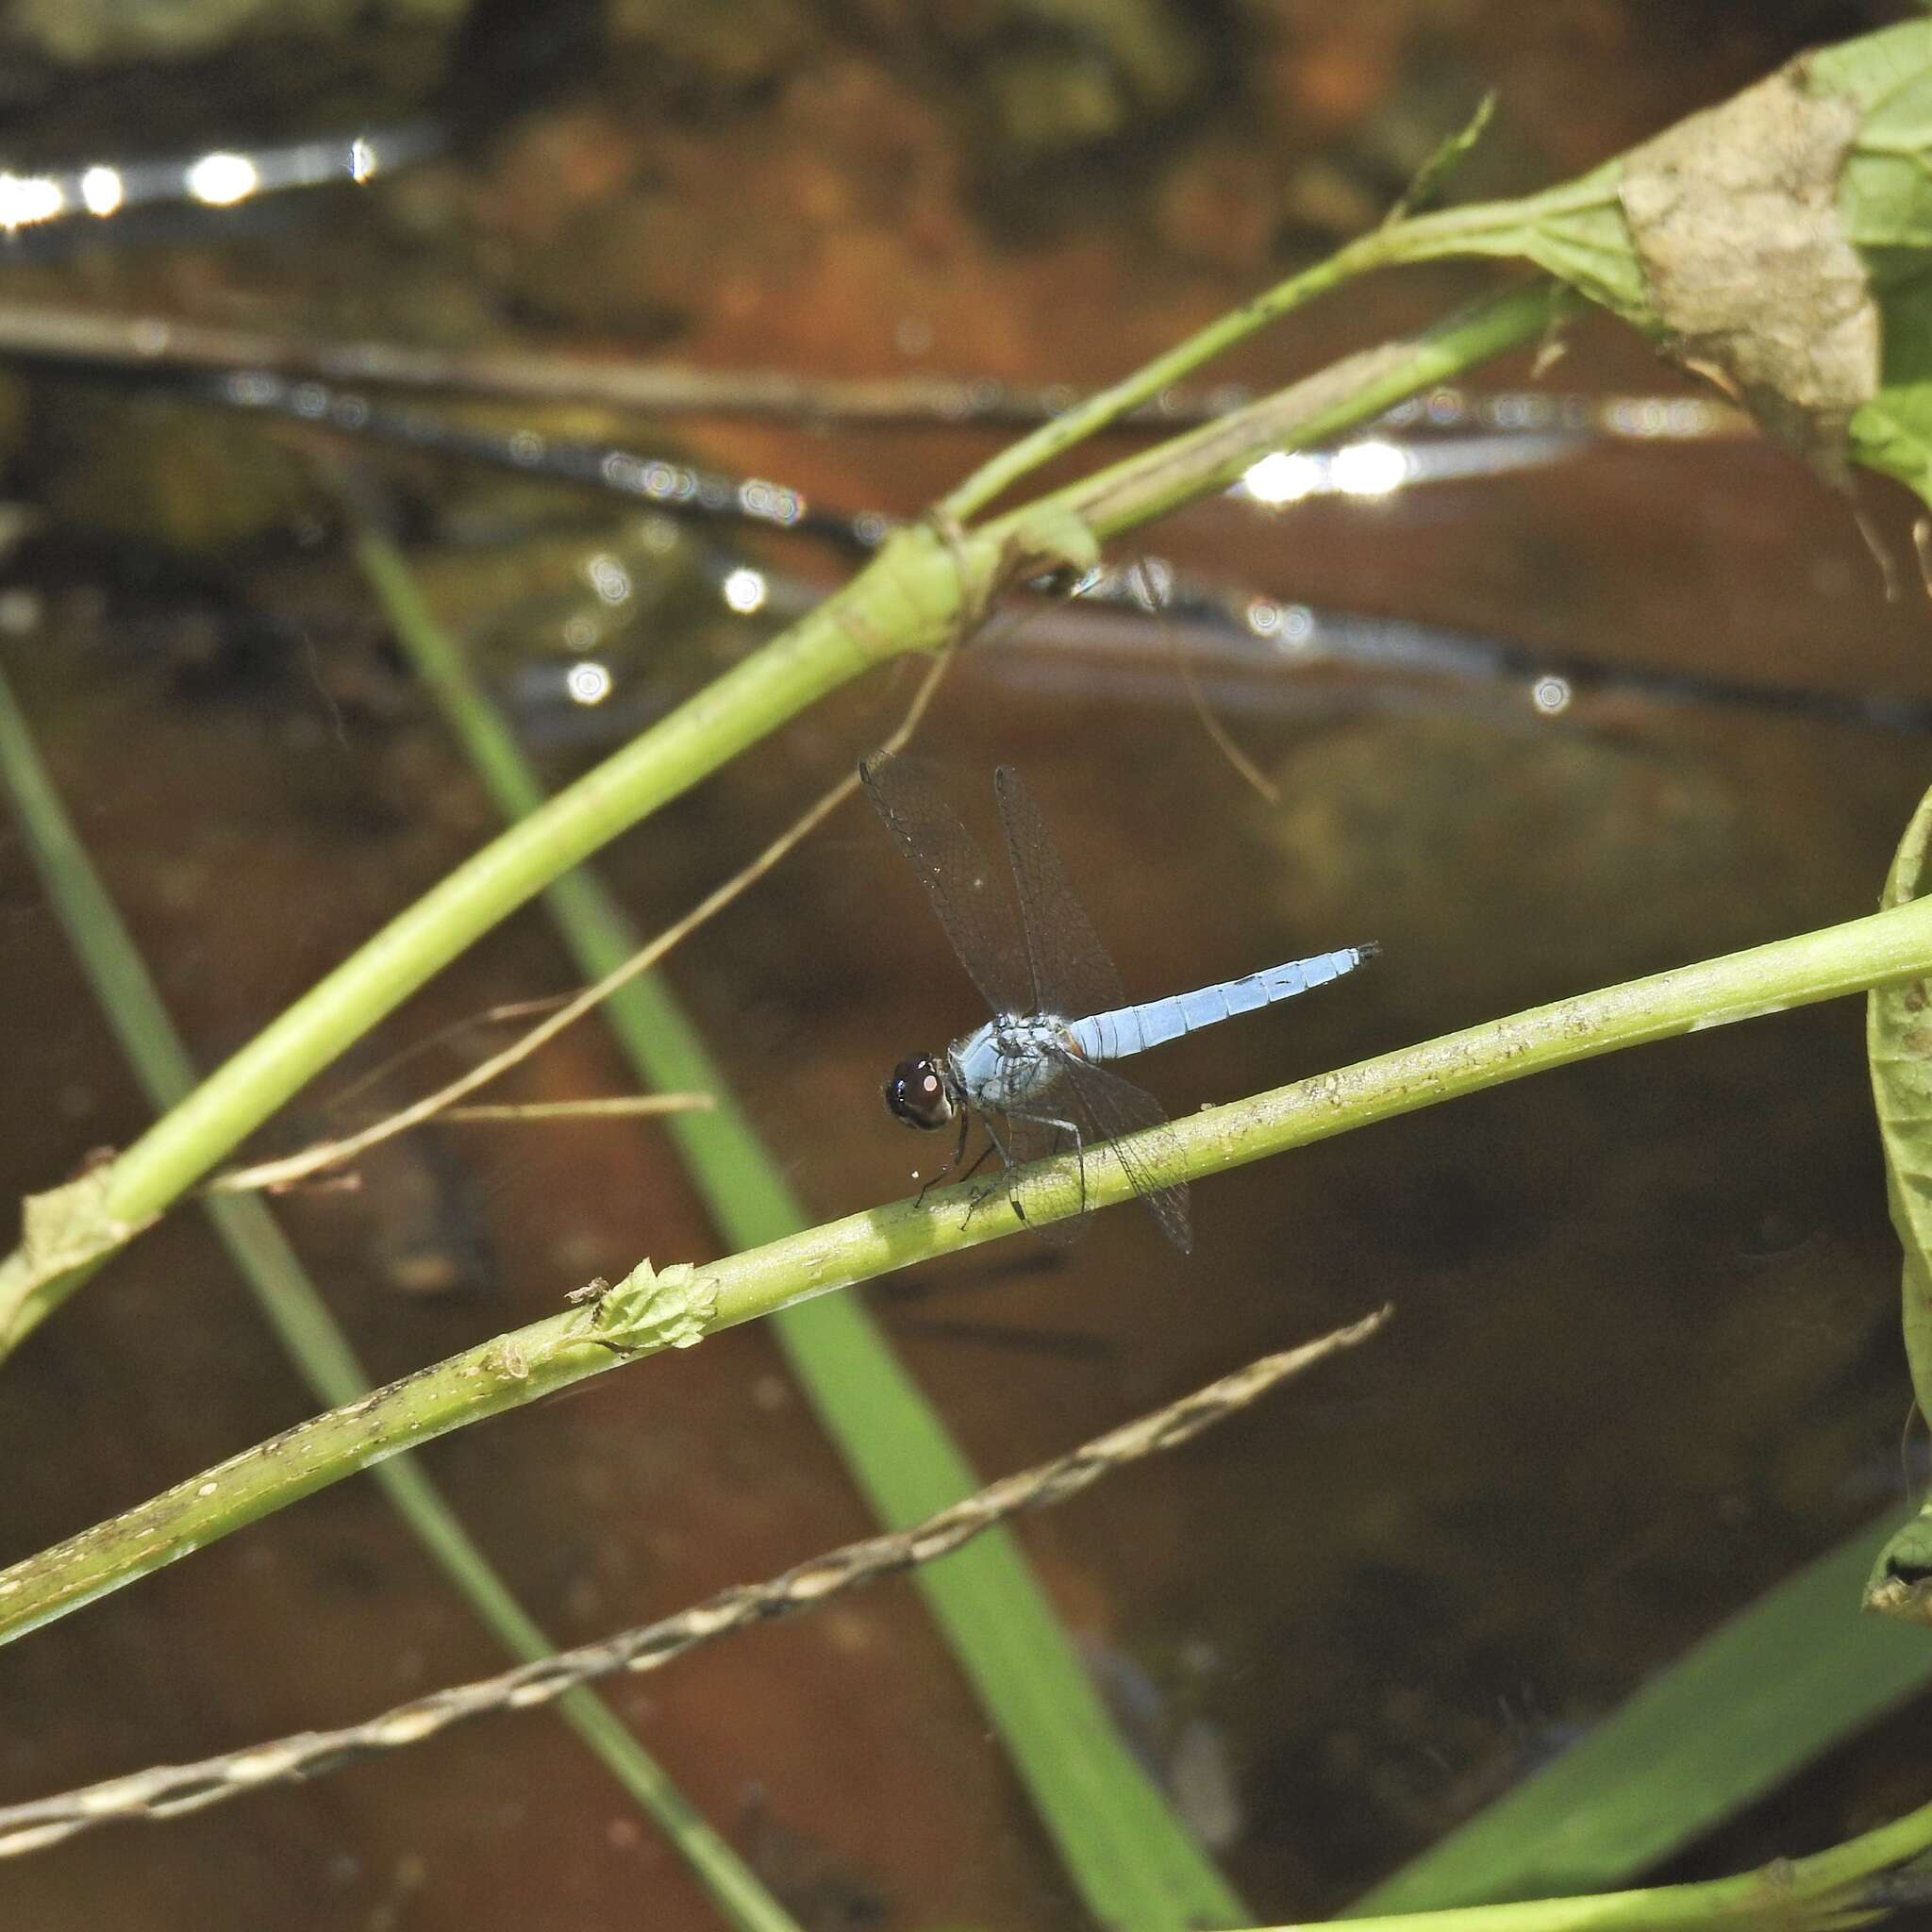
<point x="1153" y="1023"/>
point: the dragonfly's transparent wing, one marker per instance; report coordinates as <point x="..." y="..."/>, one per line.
<point x="967" y="894"/>
<point x="1052" y="1207"/>
<point x="1074" y="976"/>
<point x="1107" y="1107"/>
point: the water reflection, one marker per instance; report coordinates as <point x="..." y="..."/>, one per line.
<point x="1613" y="1405"/>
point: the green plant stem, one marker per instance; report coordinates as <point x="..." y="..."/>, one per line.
<point x="1791" y="1673"/>
<point x="906" y="600"/>
<point x="1826" y="1890"/>
<point x="557" y="1350"/>
<point x="309" y="1334"/>
<point x="1151" y="484"/>
<point x="1421" y="237"/>
<point x="1132" y="1861"/>
<point x="1094" y="413"/>
<point x="909" y="599"/>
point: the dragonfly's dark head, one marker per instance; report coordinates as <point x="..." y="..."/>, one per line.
<point x="919" y="1092"/>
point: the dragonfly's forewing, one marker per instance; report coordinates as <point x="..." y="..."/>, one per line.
<point x="970" y="897"/>
<point x="1046" y="958"/>
<point x="1074" y="975"/>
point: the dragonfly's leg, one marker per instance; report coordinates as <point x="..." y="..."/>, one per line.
<point x="1071" y="1130"/>
<point x="993" y="1145"/>
<point x="953" y="1160"/>
<point x="979" y="1158"/>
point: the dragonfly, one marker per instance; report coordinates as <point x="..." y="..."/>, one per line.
<point x="1059" y="1010"/>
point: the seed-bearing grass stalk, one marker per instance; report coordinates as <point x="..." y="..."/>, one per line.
<point x="805" y="1587"/>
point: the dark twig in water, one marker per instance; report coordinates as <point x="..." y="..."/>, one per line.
<point x="38" y="332"/>
<point x="1279" y="634"/>
<point x="677" y="488"/>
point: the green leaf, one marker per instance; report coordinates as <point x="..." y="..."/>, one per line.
<point x="1577" y="233"/>
<point x="1760" y="1697"/>
<point x="1776" y="242"/>
<point x="1885" y="195"/>
<point x="1892" y="433"/>
<point x="68" y="1226"/>
<point x="1898" y="1043"/>
<point x="651" y="1310"/>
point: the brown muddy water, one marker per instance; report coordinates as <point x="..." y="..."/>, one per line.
<point x="1645" y="1360"/>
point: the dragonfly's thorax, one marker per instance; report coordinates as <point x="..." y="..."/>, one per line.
<point x="1011" y="1061"/>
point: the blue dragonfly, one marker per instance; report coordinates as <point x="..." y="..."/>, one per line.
<point x="1058" y="1009"/>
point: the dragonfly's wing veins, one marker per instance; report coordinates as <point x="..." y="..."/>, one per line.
<point x="1045" y="958"/>
<point x="969" y="896"/>
<point x="1109" y="1107"/>
<point x="1030" y="1140"/>
<point x="1074" y="975"/>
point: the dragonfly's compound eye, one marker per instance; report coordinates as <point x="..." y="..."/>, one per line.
<point x="918" y="1094"/>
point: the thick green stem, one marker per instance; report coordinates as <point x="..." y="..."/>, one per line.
<point x="563" y="1348"/>
<point x="1148" y="486"/>
<point x="1417" y="240"/>
<point x="1040" y="446"/>
<point x="908" y="600"/>
<point x="911" y="598"/>
<point x="1825" y="1890"/>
